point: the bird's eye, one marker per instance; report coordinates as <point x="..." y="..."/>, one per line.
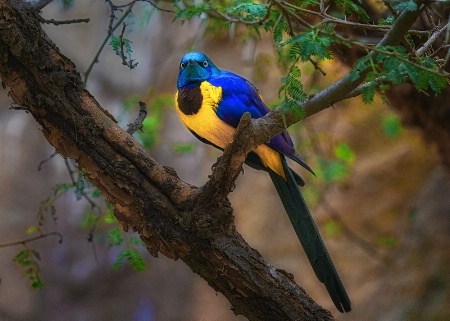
<point x="205" y="63"/>
<point x="182" y="65"/>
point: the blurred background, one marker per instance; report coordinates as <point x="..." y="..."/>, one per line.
<point x="381" y="198"/>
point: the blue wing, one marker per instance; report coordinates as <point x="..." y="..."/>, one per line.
<point x="240" y="96"/>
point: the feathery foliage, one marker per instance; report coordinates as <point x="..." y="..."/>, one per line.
<point x="28" y="259"/>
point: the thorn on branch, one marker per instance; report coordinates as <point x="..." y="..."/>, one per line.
<point x="137" y="124"/>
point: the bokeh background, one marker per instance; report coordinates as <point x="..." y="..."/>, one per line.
<point x="381" y="198"/>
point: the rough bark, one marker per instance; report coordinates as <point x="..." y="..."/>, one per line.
<point x="172" y="217"/>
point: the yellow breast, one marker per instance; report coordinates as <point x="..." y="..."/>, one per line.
<point x="206" y="124"/>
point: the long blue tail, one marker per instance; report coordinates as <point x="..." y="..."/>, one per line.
<point x="309" y="236"/>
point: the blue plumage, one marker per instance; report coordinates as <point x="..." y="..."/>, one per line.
<point x="211" y="103"/>
<point x="239" y="96"/>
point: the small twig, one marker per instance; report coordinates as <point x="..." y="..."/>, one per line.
<point x="63" y="22"/>
<point x="125" y="43"/>
<point x="432" y="40"/>
<point x="390" y="8"/>
<point x="122" y="43"/>
<point x="137" y="124"/>
<point x="429" y="15"/>
<point x="158" y="8"/>
<point x="83" y="193"/>
<point x="358" y="90"/>
<point x="317" y="67"/>
<point x="90" y="238"/>
<point x="42" y="162"/>
<point x="111" y="30"/>
<point x="31" y="239"/>
<point x="19" y="107"/>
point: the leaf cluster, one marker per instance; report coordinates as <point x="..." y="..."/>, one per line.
<point x="394" y="66"/>
<point x="28" y="259"/>
<point x="129" y="253"/>
<point x="122" y="47"/>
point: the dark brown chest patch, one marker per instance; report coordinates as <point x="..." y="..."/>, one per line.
<point x="190" y="100"/>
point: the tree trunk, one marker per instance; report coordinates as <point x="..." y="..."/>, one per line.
<point x="171" y="216"/>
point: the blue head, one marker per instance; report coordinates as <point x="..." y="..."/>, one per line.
<point x="195" y="67"/>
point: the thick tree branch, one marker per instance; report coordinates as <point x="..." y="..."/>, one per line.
<point x="169" y="214"/>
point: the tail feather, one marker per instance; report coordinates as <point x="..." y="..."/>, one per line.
<point x="309" y="236"/>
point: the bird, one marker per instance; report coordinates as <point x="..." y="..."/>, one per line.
<point x="210" y="103"/>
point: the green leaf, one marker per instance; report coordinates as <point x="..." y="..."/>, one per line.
<point x="115" y="44"/>
<point x="368" y="94"/>
<point x="388" y="21"/>
<point x="392" y="126"/>
<point x="187" y="13"/>
<point x="184" y="148"/>
<point x="80" y="185"/>
<point x="136" y="241"/>
<point x="344" y="153"/>
<point x="360" y="66"/>
<point x="332" y="170"/>
<point x="248" y="11"/>
<point x="333" y="229"/>
<point x="67" y="4"/>
<point x="279" y="29"/>
<point x="409" y="5"/>
<point x="437" y="83"/>
<point x="350" y="7"/>
<point x="362" y="14"/>
<point x="133" y="257"/>
<point x="89" y="219"/>
<point x="387" y="241"/>
<point x="308" y="44"/>
<point x="32" y="229"/>
<point x="96" y="193"/>
<point x="109" y="218"/>
<point x="115" y="238"/>
<point x="62" y="187"/>
<point x="28" y="260"/>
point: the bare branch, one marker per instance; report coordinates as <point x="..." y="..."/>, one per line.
<point x="111" y="30"/>
<point x="431" y="40"/>
<point x="64" y="22"/>
<point x="42" y="162"/>
<point x="32" y="239"/>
